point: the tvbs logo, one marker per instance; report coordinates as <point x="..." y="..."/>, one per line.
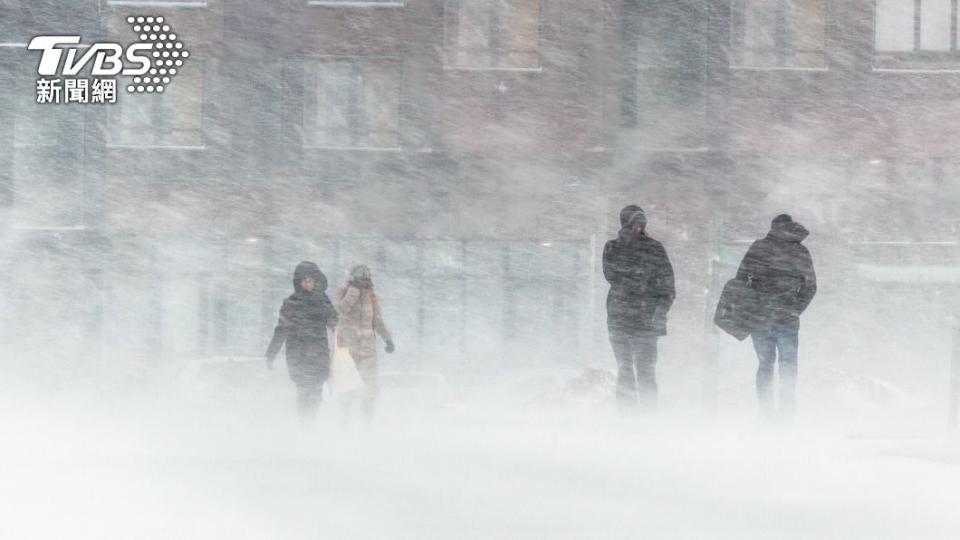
<point x="152" y="62"/>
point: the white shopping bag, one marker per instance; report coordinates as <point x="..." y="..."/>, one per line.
<point x="344" y="377"/>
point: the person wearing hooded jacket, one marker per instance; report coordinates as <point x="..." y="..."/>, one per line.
<point x="361" y="321"/>
<point x="641" y="293"/>
<point x="304" y="319"/>
<point x="781" y="270"/>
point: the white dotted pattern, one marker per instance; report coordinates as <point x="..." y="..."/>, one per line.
<point x="168" y="51"/>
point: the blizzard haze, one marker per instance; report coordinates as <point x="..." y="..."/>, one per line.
<point x="475" y="154"/>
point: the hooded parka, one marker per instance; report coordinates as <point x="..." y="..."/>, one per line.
<point x="641" y="280"/>
<point x="304" y="319"/>
<point x="781" y="270"/>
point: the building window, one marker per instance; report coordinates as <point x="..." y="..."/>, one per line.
<point x="492" y="34"/>
<point x="356" y="3"/>
<point x="778" y="33"/>
<point x="15" y="27"/>
<point x="173" y="118"/>
<point x="667" y="101"/>
<point x="44" y="179"/>
<point x="916" y="32"/>
<point x="878" y="205"/>
<point x="48" y="166"/>
<point x="351" y="102"/>
<point x="159" y="3"/>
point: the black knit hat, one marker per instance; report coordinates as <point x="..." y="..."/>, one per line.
<point x="629" y="215"/>
<point x="782" y="218"/>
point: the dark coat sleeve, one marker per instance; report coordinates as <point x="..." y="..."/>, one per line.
<point x="809" y="286"/>
<point x="665" y="290"/>
<point x="611" y="271"/>
<point x="279" y="334"/>
<point x="751" y="265"/>
<point x="666" y="287"/>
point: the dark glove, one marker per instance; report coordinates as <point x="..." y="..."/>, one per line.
<point x="389" y="348"/>
<point x="269" y="364"/>
<point x="362" y="283"/>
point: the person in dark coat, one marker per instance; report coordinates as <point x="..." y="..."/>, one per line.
<point x="780" y="269"/>
<point x="641" y="293"/>
<point x="304" y="319"/>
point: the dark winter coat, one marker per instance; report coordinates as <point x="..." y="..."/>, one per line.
<point x="780" y="269"/>
<point x="304" y="319"/>
<point x="641" y="285"/>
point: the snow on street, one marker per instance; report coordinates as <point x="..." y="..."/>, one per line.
<point x="239" y="466"/>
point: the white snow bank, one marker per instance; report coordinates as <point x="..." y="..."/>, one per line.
<point x="186" y="465"/>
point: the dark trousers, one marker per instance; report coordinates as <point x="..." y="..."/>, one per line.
<point x="636" y="370"/>
<point x="308" y="400"/>
<point x="309" y="379"/>
<point x="773" y="347"/>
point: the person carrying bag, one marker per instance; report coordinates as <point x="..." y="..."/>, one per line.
<point x="361" y="321"/>
<point x="345" y="380"/>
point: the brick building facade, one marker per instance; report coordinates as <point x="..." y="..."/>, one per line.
<point x="476" y="152"/>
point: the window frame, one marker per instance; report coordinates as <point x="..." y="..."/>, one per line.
<point x="357" y="3"/>
<point x="355" y="60"/>
<point x="72" y="115"/>
<point x="652" y="69"/>
<point x="919" y="60"/>
<point x="158" y="3"/>
<point x="738" y="17"/>
<point x="202" y="66"/>
<point x="455" y="67"/>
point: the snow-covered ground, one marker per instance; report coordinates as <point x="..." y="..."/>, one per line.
<point x="530" y="457"/>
